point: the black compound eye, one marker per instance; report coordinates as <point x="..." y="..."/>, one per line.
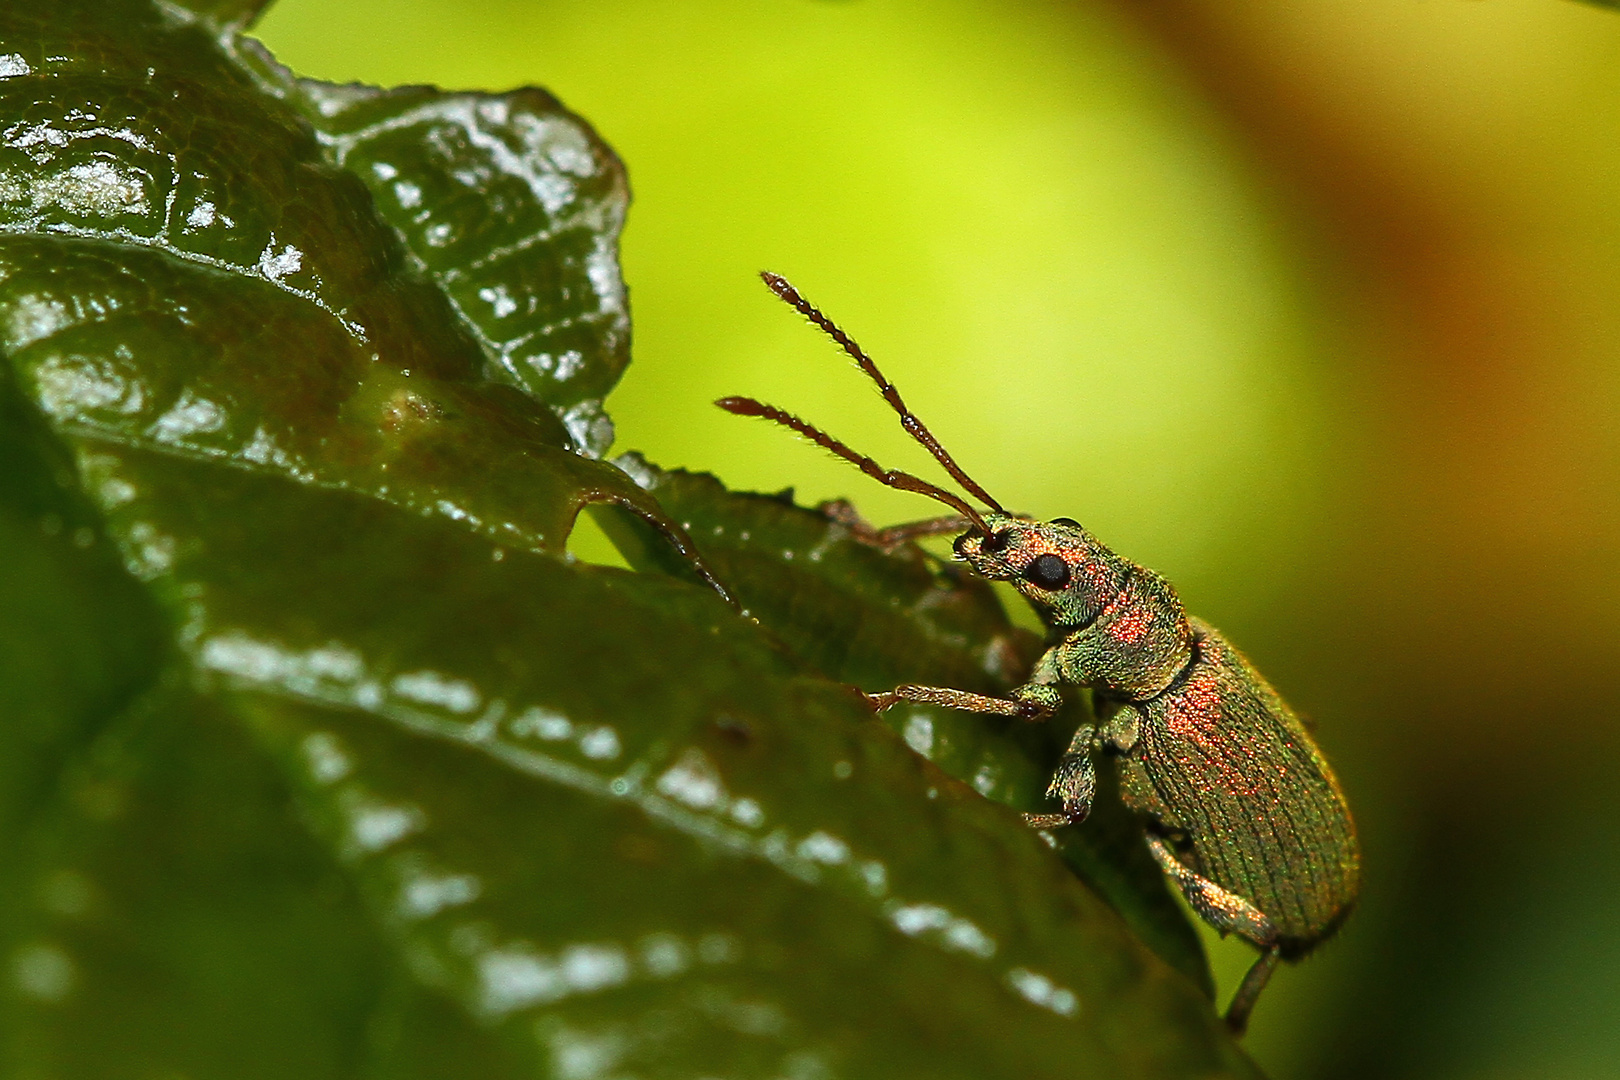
<point x="994" y="542"/>
<point x="1048" y="572"/>
<point x="1066" y="521"/>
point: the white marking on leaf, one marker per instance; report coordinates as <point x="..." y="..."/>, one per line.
<point x="876" y="876"/>
<point x="431" y="688"/>
<point x="35" y="318"/>
<point x="424" y="894"/>
<point x="693" y="780"/>
<point x="499" y="300"/>
<point x="1043" y="991"/>
<point x="277" y="266"/>
<point x="823" y="847"/>
<point x="955" y="932"/>
<point x="408" y="194"/>
<point x="325" y="757"/>
<point x="919" y="734"/>
<point x="515" y="977"/>
<point x="191" y="415"/>
<point x="747" y="812"/>
<point x="587" y="968"/>
<point x="664" y="955"/>
<point x="600" y="744"/>
<point x="374" y="826"/>
<point x="550" y="726"/>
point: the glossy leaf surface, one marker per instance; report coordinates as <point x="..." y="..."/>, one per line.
<point x="322" y="759"/>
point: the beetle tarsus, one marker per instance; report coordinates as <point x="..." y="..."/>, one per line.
<point x="1047" y="821"/>
<point x="1237" y="1013"/>
<point x="1074" y="783"/>
<point x="880" y="702"/>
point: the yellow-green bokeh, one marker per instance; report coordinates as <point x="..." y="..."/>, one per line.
<point x="1046" y="243"/>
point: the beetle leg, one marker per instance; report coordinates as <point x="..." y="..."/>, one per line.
<point x="1044" y="700"/>
<point x="1228" y="913"/>
<point x="1041" y="689"/>
<point x="955" y="699"/>
<point x="1223" y="909"/>
<point x="1074" y="783"/>
<point x="1237" y="1013"/>
<point x="1122" y="729"/>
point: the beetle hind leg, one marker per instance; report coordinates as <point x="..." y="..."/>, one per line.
<point x="1248" y="991"/>
<point x="1228" y="913"/>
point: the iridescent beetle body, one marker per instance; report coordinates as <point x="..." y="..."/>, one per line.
<point x="1239" y="796"/>
<point x="1244" y="815"/>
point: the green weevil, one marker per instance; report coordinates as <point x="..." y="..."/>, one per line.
<point x="1242" y="811"/>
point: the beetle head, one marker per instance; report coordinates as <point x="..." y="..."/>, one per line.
<point x="1064" y="571"/>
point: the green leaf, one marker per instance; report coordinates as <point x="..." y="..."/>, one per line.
<point x="741" y="845"/>
<point x="320" y="755"/>
<point x="512" y="206"/>
<point x="78" y="638"/>
<point x="174" y="919"/>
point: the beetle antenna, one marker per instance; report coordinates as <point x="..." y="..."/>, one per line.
<point x="908" y="420"/>
<point x="903" y="481"/>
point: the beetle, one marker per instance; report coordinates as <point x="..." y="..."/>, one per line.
<point x="1241" y="810"/>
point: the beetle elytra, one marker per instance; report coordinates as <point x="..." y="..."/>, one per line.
<point x="1243" y="813"/>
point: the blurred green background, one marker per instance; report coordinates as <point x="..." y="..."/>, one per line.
<point x="1313" y="307"/>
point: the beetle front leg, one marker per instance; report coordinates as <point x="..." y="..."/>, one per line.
<point x="1035" y="700"/>
<point x="1041" y="689"/>
<point x="1228" y="913"/>
<point x="955" y="699"/>
<point x="1074" y="783"/>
